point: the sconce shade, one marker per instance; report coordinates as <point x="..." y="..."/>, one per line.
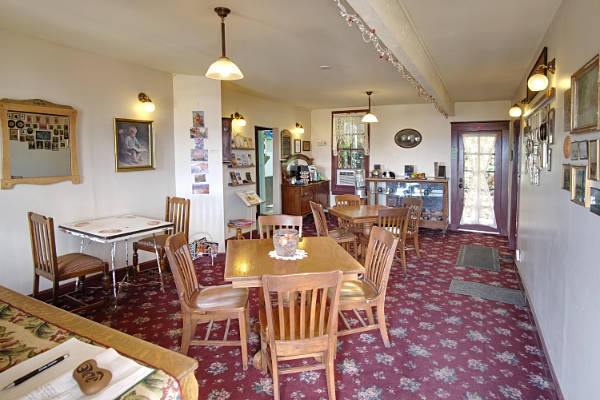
<point x="224" y="69"/>
<point x="149" y="107"/>
<point x="537" y="82"/>
<point x="515" y="111"/>
<point x="299" y="128"/>
<point x="147" y="104"/>
<point x="369" y="117"/>
<point x="238" y="120"/>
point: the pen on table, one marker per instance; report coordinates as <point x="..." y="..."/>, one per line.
<point x="33" y="373"/>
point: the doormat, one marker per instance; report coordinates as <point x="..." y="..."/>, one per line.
<point x="488" y="292"/>
<point x="472" y="255"/>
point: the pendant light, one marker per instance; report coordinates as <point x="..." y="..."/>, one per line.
<point x="223" y="69"/>
<point x="369" y="117"/>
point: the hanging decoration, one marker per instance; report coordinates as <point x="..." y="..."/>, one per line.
<point x="386" y="54"/>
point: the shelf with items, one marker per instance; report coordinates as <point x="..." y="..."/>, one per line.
<point x="243" y="148"/>
<point x="243" y="160"/>
<point x="241" y="166"/>
<point x="242" y="184"/>
<point x="237" y="179"/>
<point x="433" y="191"/>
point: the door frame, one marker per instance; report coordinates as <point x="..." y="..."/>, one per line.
<point x="257" y="164"/>
<point x="515" y="183"/>
<point x="480" y="126"/>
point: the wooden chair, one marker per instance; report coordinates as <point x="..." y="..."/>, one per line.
<point x="303" y="328"/>
<point x="415" y="205"/>
<point x="396" y="220"/>
<point x="59" y="268"/>
<point x="178" y="212"/>
<point x="270" y="223"/>
<point x="346" y="200"/>
<point x="341" y="237"/>
<point x="205" y="303"/>
<point x="369" y="292"/>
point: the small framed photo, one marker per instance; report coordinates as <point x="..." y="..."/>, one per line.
<point x="574" y="151"/>
<point x="593" y="157"/>
<point x="566" y="181"/>
<point x="134" y="145"/>
<point x="306" y="145"/>
<point x="584" y="98"/>
<point x="583" y="150"/>
<point x="578" y="184"/>
<point x="595" y="200"/>
<point x="297" y="145"/>
<point x="550" y="125"/>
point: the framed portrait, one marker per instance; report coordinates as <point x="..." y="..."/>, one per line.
<point x="306" y="145"/>
<point x="584" y="98"/>
<point x="574" y="151"/>
<point x="578" y="184"/>
<point x="297" y="145"/>
<point x="567" y="110"/>
<point x="595" y="200"/>
<point x="286" y="143"/>
<point x="583" y="150"/>
<point x="566" y="181"/>
<point x="134" y="145"/>
<point x="593" y="157"/>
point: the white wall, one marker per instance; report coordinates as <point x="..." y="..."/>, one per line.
<point x="268" y="113"/>
<point x="392" y="118"/>
<point x="100" y="88"/>
<point x="557" y="237"/>
<point x="198" y="93"/>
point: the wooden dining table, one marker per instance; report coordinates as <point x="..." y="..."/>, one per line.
<point x="365" y="214"/>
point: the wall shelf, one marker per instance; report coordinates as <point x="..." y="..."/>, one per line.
<point x="242" y="166"/>
<point x="243" y="148"/>
<point x="242" y="184"/>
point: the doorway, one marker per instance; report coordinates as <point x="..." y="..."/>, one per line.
<point x="480" y="163"/>
<point x="264" y="167"/>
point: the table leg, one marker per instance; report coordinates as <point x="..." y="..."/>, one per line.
<point x="162" y="286"/>
<point x="113" y="251"/>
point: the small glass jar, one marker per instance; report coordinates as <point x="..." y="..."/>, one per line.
<point x="285" y="242"/>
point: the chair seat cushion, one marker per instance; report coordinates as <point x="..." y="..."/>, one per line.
<point x="219" y="298"/>
<point x="148" y="241"/>
<point x="78" y="264"/>
<point x="286" y="317"/>
<point x="357" y="290"/>
<point x="340" y="235"/>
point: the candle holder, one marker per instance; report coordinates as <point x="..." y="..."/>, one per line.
<point x="285" y="242"/>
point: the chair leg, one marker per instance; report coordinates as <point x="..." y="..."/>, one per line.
<point x="381" y="323"/>
<point x="55" y="290"/>
<point x="416" y="240"/>
<point x="275" y="375"/>
<point x="106" y="284"/>
<point x="186" y="333"/>
<point x="135" y="257"/>
<point x="330" y="374"/>
<point x="243" y="324"/>
<point x="263" y="354"/>
<point x="369" y="312"/>
<point x="403" y="257"/>
<point x="163" y="260"/>
<point x="355" y="248"/>
<point x="36" y="285"/>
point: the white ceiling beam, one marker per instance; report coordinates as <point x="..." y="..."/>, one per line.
<point x="396" y="30"/>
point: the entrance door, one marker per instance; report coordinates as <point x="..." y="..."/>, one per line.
<point x="264" y="168"/>
<point x="480" y="172"/>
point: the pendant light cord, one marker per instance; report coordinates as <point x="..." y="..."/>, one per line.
<point x="223" y="36"/>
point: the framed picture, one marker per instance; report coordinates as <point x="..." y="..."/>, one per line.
<point x="593" y="157"/>
<point x="297" y="145"/>
<point x="595" y="200"/>
<point x="583" y="150"/>
<point x="306" y="145"/>
<point x="134" y="145"/>
<point x="566" y="181"/>
<point x="567" y="110"/>
<point x="574" y="151"/>
<point x="578" y="184"/>
<point x="584" y="98"/>
<point x="286" y="143"/>
<point x="550" y="125"/>
<point x="549" y="159"/>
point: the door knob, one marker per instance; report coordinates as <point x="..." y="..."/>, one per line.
<point x="460" y="183"/>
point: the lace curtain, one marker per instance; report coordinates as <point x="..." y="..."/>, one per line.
<point x="349" y="132"/>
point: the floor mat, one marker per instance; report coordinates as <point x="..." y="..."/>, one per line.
<point x="488" y="292"/>
<point x="476" y="256"/>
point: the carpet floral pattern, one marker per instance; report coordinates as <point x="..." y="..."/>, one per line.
<point x="444" y="346"/>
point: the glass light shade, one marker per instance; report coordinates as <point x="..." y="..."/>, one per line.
<point x="369" y="117"/>
<point x="224" y="69"/>
<point x="300" y="130"/>
<point x="149" y="106"/>
<point x="537" y="82"/>
<point x="241" y="122"/>
<point x="515" y="111"/>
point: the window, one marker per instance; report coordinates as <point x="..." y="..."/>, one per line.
<point x="349" y="149"/>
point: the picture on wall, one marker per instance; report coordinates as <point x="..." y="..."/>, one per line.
<point x="297" y="145"/>
<point x="134" y="145"/>
<point x="584" y="97"/>
<point x="583" y="150"/>
<point x="578" y="184"/>
<point x="595" y="200"/>
<point x="306" y="145"/>
<point x="566" y="181"/>
<point x="593" y="156"/>
<point x="574" y="150"/>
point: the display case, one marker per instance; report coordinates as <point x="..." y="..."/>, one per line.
<point x="434" y="192"/>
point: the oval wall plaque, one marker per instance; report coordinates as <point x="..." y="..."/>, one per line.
<point x="408" y="138"/>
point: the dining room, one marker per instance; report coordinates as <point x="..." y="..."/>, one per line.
<point x="433" y="182"/>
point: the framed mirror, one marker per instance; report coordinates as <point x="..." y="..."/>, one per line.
<point x="292" y="161"/>
<point x="286" y="144"/>
<point x="408" y="138"/>
<point x="38" y="143"/>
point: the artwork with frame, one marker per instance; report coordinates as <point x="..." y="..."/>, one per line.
<point x="134" y="145"/>
<point x="584" y="98"/>
<point x="583" y="150"/>
<point x="578" y="184"/>
<point x="306" y="145"/>
<point x="297" y="146"/>
<point x="567" y="110"/>
<point x="574" y="151"/>
<point x="550" y="125"/>
<point x="593" y="157"/>
<point x="595" y="200"/>
<point x="566" y="181"/>
<point x="286" y="143"/>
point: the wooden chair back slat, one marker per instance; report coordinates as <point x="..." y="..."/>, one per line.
<point x="394" y="220"/>
<point x="345" y="200"/>
<point x="415" y="206"/>
<point x="319" y="217"/>
<point x="43" y="245"/>
<point x="267" y="224"/>
<point x="380" y="256"/>
<point x="178" y="212"/>
<point x="182" y="266"/>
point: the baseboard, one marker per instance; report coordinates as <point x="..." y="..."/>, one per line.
<point x="557" y="389"/>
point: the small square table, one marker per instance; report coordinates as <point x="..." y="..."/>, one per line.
<point x="363" y="214"/>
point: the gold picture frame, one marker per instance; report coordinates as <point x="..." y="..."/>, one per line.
<point x="134" y="145"/>
<point x="594" y="159"/>
<point x="579" y="185"/>
<point x="566" y="181"/>
<point x="585" y="107"/>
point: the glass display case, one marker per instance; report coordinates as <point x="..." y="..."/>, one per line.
<point x="434" y="193"/>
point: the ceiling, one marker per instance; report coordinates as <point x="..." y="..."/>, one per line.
<point x="481" y="49"/>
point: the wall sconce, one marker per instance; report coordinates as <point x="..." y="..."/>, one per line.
<point x="238" y="120"/>
<point x="299" y="128"/>
<point x="147" y="104"/>
<point x="515" y="111"/>
<point x="539" y="81"/>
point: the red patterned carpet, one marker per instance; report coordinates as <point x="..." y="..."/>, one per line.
<point x="444" y="346"/>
